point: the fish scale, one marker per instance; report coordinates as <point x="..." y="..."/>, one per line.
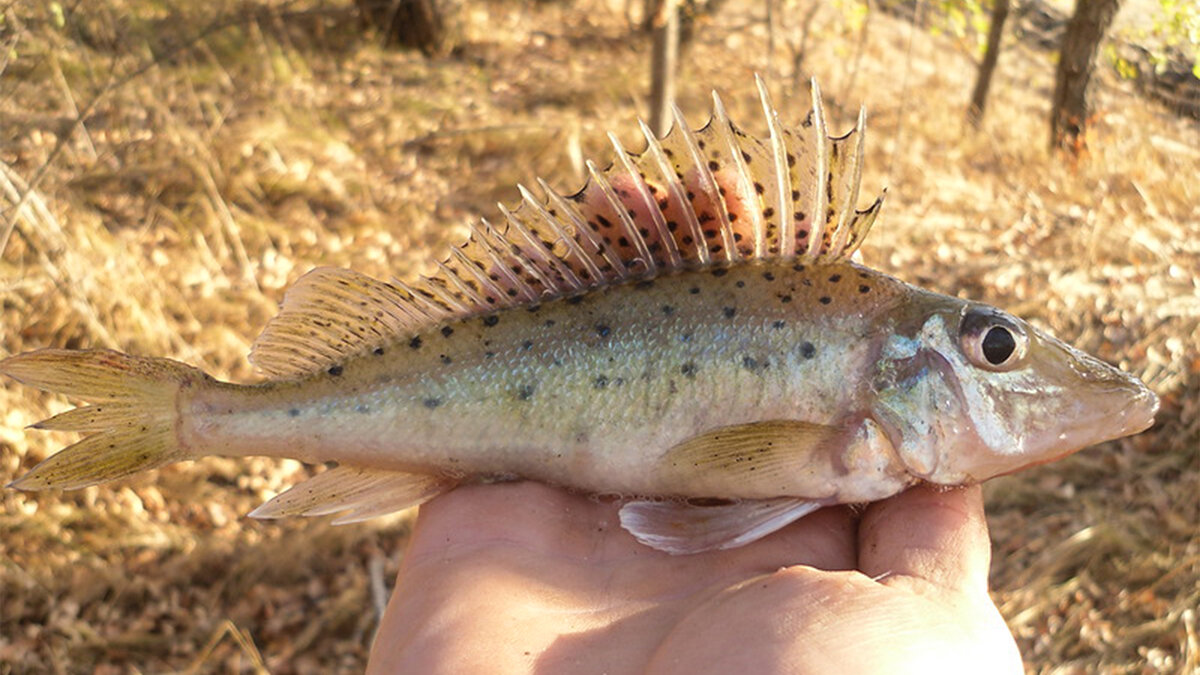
<point x="687" y="331"/>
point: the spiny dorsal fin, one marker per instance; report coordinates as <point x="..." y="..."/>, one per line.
<point x="692" y="199"/>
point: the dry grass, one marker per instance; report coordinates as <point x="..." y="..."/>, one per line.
<point x="227" y="148"/>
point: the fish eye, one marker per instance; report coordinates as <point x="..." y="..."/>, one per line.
<point x="991" y="339"/>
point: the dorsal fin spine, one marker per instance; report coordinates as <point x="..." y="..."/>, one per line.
<point x="490" y="288"/>
<point x="423" y="310"/>
<point x="602" y="248"/>
<point x="460" y="284"/>
<point x="631" y="229"/>
<point x="745" y="186"/>
<point x="664" y="237"/>
<point x="850" y="169"/>
<point x="816" y="237"/>
<point x="677" y="192"/>
<point x="488" y="237"/>
<point x="515" y="254"/>
<point x="438" y="286"/>
<point x="783" y="179"/>
<point x="532" y="254"/>
<point x="574" y="249"/>
<point x="708" y="185"/>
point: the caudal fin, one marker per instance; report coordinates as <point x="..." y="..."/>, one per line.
<point x="132" y="419"/>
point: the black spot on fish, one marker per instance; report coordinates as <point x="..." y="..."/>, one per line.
<point x="835" y="278"/>
<point x="694" y="290"/>
<point x="446" y="360"/>
<point x="362" y="409"/>
<point x="785" y="299"/>
<point x="752" y="364"/>
<point x="807" y="350"/>
<point x="574" y="299"/>
<point x="526" y="392"/>
<point x="768" y="276"/>
<point x="491" y="320"/>
<point x="644" y="284"/>
<point x="447" y="331"/>
<point x="378" y="351"/>
<point x="293" y="412"/>
<point x="432" y="402"/>
<point x="686" y="337"/>
<point x="689" y="370"/>
<point x="864" y="288"/>
<point x="527" y="345"/>
<point x="729" y="312"/>
<point x="825" y="299"/>
<point x="720" y="272"/>
<point x="602" y="330"/>
<point x="415" y="343"/>
<point x="600" y="382"/>
<point x="549" y="322"/>
<point x="533" y="309"/>
<point x="489" y="355"/>
<point x="798" y="267"/>
<point x="740" y="284"/>
<point x="668" y="310"/>
<point x="335" y="370"/>
<point x="779" y="324"/>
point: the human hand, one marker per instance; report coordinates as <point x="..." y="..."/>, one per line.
<point x="524" y="578"/>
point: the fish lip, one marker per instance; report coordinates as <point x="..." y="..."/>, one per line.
<point x="1136" y="411"/>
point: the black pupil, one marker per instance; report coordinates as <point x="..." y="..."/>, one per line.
<point x="998" y="345"/>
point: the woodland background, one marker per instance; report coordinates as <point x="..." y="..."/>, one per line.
<point x="167" y="169"/>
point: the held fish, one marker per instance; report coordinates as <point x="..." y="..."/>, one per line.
<point x="688" y="330"/>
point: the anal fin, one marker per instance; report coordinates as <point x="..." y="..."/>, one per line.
<point x="360" y="492"/>
<point x="681" y="528"/>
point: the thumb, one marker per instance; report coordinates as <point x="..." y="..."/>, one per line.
<point x="929" y="533"/>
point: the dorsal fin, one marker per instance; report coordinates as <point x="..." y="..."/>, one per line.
<point x="692" y="199"/>
<point x="332" y="314"/>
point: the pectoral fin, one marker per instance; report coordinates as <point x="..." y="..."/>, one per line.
<point x="762" y="459"/>
<point x="681" y="528"/>
<point x="364" y="493"/>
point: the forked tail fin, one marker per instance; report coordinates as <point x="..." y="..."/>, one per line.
<point x="133" y="418"/>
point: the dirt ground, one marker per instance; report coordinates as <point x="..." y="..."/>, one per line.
<point x="225" y="148"/>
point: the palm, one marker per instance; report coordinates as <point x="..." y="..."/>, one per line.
<point x="520" y="578"/>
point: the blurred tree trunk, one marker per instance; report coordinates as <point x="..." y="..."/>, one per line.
<point x="663" y="65"/>
<point x="1070" y="111"/>
<point x="428" y="25"/>
<point x="990" y="56"/>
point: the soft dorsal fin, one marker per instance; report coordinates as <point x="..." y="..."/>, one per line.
<point x="693" y="199"/>
<point x="331" y="314"/>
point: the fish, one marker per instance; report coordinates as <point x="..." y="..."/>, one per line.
<point x="691" y="332"/>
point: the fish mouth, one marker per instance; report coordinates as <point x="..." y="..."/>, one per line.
<point x="1116" y="409"/>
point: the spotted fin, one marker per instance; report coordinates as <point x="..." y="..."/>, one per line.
<point x="681" y="528"/>
<point x="361" y="493"/>
<point x="693" y="199"/>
